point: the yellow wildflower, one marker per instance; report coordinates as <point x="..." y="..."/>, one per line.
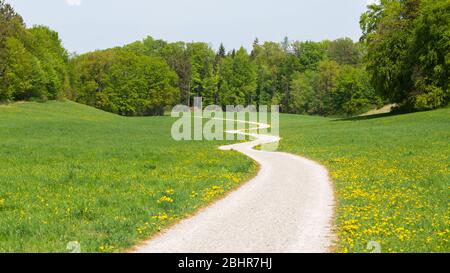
<point x="165" y="199"/>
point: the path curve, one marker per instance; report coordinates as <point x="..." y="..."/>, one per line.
<point x="287" y="207"/>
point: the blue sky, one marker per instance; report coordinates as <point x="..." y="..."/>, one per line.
<point x="86" y="25"/>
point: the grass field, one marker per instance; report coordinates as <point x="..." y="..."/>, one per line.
<point x="73" y="173"/>
<point x="391" y="173"/>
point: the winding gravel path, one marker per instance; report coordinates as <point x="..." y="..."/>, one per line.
<point x="287" y="207"/>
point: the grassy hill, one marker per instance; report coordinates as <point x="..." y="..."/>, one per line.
<point x="391" y="173"/>
<point x="73" y="173"/>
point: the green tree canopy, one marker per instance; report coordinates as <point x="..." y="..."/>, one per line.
<point x="238" y="80"/>
<point x="125" y="83"/>
<point x="408" y="43"/>
<point x="345" y="51"/>
<point x="33" y="63"/>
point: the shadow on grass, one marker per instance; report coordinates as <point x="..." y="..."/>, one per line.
<point x="375" y="116"/>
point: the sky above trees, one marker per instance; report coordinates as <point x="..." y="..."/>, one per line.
<point x="86" y="25"/>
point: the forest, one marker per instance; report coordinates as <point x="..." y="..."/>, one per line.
<point x="403" y="57"/>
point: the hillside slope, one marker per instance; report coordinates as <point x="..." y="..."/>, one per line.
<point x="73" y="173"/>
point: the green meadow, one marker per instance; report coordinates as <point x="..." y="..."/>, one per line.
<point x="69" y="172"/>
<point x="391" y="175"/>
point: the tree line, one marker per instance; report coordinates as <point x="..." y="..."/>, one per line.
<point x="302" y="77"/>
<point x="402" y="58"/>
